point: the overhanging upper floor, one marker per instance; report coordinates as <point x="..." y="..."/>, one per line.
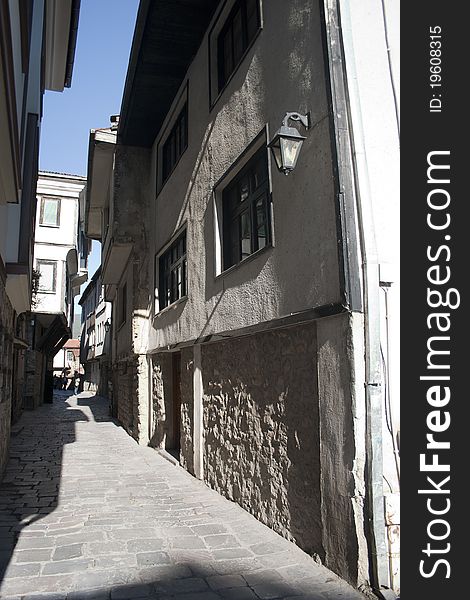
<point x="101" y="147"/>
<point x="167" y="36"/>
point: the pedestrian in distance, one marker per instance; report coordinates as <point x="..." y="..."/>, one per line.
<point x="76" y="382"/>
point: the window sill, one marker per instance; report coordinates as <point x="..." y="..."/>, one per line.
<point x="244" y="261"/>
<point x="171" y="306"/>
<point x="47" y="225"/>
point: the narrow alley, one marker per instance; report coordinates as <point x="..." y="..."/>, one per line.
<point x="87" y="513"/>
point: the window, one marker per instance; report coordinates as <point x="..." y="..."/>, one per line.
<point x="50" y="212"/>
<point x="173" y="273"/>
<point x="245" y="207"/>
<point x="236" y="35"/>
<point x="122" y="305"/>
<point x="70" y="356"/>
<point x="48" y="277"/>
<point x="176" y="143"/>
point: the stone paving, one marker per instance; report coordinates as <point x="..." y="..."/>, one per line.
<point x="86" y="513"/>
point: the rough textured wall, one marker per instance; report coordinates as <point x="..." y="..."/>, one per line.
<point x="261" y="429"/>
<point x="34" y="374"/>
<point x="161" y="396"/>
<point x="187" y="410"/>
<point x="125" y="394"/>
<point x="342" y="423"/>
<point x="6" y="366"/>
<point x="130" y="225"/>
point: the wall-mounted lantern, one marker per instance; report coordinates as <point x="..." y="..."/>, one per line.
<point x="107" y="325"/>
<point x="287" y="142"/>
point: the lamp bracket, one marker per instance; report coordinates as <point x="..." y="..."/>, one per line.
<point x="295" y="116"/>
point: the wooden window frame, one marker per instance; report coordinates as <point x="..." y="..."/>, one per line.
<point x="41" y="213"/>
<point x="44" y="261"/>
<point x="176" y="140"/>
<point x="168" y="265"/>
<point x="233" y="212"/>
<point x="239" y="7"/>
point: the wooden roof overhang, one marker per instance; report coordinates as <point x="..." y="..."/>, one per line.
<point x="167" y="36"/>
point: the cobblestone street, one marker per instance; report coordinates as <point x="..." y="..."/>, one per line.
<point x="87" y="513"/>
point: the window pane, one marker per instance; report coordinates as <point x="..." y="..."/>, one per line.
<point x="238" y="42"/>
<point x="168" y="289"/>
<point x="183" y="132"/>
<point x="245" y="211"/>
<point x="260" y="172"/>
<point x="50" y="209"/>
<point x="227" y="55"/>
<point x="175" y="144"/>
<point x="185" y="278"/>
<point x="243" y="188"/>
<point x="47" y="279"/>
<point x="179" y="282"/>
<point x="261" y="223"/>
<point x="252" y="23"/>
<point x="234" y="252"/>
<point x="177" y="137"/>
<point x="245" y="234"/>
<point x="173" y="274"/>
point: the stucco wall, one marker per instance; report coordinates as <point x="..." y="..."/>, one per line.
<point x="262" y="430"/>
<point x="283" y="71"/>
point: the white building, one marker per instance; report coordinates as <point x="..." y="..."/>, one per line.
<point x="56" y="243"/>
<point x="60" y="259"/>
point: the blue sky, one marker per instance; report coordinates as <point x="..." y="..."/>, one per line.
<point x="104" y="40"/>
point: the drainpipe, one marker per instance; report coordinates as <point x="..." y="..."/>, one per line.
<point x="355" y="217"/>
<point x="371" y="294"/>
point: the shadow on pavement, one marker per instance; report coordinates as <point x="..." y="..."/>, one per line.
<point x="30" y="491"/>
<point x="189" y="581"/>
<point x="30" y="486"/>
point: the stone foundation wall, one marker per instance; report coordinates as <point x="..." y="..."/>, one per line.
<point x="125" y="386"/>
<point x="162" y="405"/>
<point x="187" y="410"/>
<point x="33" y="388"/>
<point x="161" y="399"/>
<point x="6" y="371"/>
<point x="261" y="423"/>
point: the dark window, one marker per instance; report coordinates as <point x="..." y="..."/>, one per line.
<point x="175" y="144"/>
<point x="245" y="203"/>
<point x="48" y="275"/>
<point x="173" y="273"/>
<point x="122" y="305"/>
<point x="238" y="32"/>
<point x="50" y="212"/>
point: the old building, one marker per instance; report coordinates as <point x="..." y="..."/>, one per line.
<point x="95" y="347"/>
<point x="68" y="359"/>
<point x="252" y="311"/>
<point x="60" y="261"/>
<point x="37" y="47"/>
